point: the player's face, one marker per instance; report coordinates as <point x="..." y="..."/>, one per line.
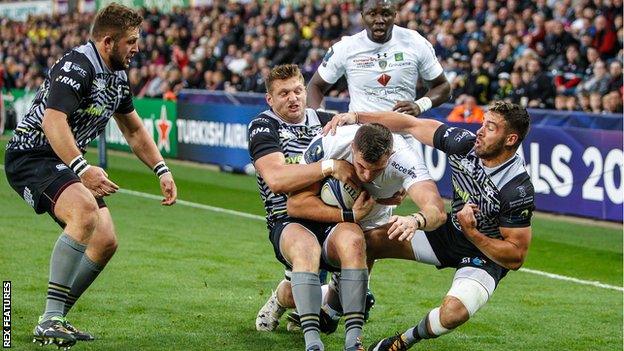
<point x="124" y="49"/>
<point x="287" y="98"/>
<point x="367" y="172"/>
<point x="492" y="137"/>
<point x="378" y="17"/>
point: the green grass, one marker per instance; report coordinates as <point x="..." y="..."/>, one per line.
<point x="190" y="279"/>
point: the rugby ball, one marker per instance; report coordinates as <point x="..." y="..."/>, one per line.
<point x="338" y="194"/>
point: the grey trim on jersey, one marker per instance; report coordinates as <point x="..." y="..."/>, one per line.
<point x="310" y="116"/>
<point x="479" y="275"/>
<point x="90" y="51"/>
<point x="502" y="174"/>
<point x="423" y="252"/>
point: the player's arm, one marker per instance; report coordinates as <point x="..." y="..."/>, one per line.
<point x="430" y="216"/>
<point x="69" y="83"/>
<point x="439" y="92"/>
<point x="306" y="204"/>
<point x="281" y="177"/>
<point x="509" y="252"/>
<point x="330" y="70"/>
<point x="317" y="88"/>
<point x="142" y="144"/>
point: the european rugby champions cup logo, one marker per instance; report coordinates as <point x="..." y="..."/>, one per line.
<point x="163" y="128"/>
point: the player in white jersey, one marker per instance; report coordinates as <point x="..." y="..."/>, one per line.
<point x="382" y="65"/>
<point x="382" y="175"/>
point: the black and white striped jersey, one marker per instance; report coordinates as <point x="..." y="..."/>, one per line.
<point x="268" y="134"/>
<point x="504" y="194"/>
<point x="80" y="85"/>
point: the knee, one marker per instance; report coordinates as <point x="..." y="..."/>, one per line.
<point x="352" y="246"/>
<point x="109" y="246"/>
<point x="85" y="216"/>
<point x="453" y="313"/>
<point x="305" y="255"/>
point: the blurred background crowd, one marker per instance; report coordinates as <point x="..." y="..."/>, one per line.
<point x="564" y="55"/>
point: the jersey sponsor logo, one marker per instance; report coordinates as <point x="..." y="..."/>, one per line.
<point x="398" y="56"/>
<point x="314" y="152"/>
<point x="293" y="160"/>
<point x="27" y="195"/>
<point x="94" y="110"/>
<point x="521" y="191"/>
<point x="67" y="66"/>
<point x="382" y="60"/>
<point x="257" y="131"/>
<point x="476" y="261"/>
<point x="461" y="136"/>
<point x="384" y="79"/>
<point x="408" y="171"/>
<point x="68" y="81"/>
<point x="287" y="134"/>
<point x="328" y="55"/>
<point x="61" y="167"/>
<point x="364" y="62"/>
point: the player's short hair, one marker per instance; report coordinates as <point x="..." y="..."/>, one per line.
<point x="115" y="20"/>
<point x="374" y="141"/>
<point x="282" y="72"/>
<point x="516" y="116"/>
<point x="365" y="4"/>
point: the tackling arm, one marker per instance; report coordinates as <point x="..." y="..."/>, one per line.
<point x="509" y="252"/>
<point x="426" y="196"/>
<point x="316" y="91"/>
<point x="306" y="204"/>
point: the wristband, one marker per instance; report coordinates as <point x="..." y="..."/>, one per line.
<point x="161" y="169"/>
<point x="327" y="168"/>
<point x="423" y="224"/>
<point x="424" y="104"/>
<point x="79" y="165"/>
<point x="348" y="216"/>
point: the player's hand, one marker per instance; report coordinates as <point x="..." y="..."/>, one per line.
<point x="169" y="190"/>
<point x="344" y="172"/>
<point x="402" y="227"/>
<point x="96" y="180"/>
<point x="467" y="218"/>
<point x="362" y="206"/>
<point x="408" y="107"/>
<point x="339" y="120"/>
<point x="395" y="200"/>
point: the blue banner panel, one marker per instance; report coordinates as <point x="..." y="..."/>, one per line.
<point x="574" y="171"/>
<point x="215" y="133"/>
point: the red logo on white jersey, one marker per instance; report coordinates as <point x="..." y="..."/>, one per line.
<point x="384" y="79"/>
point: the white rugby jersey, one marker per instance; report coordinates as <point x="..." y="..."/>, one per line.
<point x="404" y="169"/>
<point x="380" y="74"/>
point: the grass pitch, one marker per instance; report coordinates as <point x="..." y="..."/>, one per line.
<point x="187" y="278"/>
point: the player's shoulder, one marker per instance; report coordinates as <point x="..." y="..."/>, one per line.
<point x="264" y="119"/>
<point x="348" y="43"/>
<point x="517" y="188"/>
<point x="74" y="63"/>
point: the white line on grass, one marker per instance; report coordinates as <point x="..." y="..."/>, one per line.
<point x="260" y="218"/>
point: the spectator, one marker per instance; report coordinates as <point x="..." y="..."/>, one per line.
<point x="598" y="82"/>
<point x="612" y="103"/>
<point x="478" y="80"/>
<point x="615" y="70"/>
<point x="595" y="102"/>
<point x="604" y="38"/>
<point x="504" y="88"/>
<point x="467" y="111"/>
<point x="570" y="74"/>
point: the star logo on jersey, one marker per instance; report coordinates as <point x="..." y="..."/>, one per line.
<point x="398" y="56"/>
<point x="163" y="128"/>
<point x="384" y="79"/>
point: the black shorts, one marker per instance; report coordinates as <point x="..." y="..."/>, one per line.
<point x="320" y="231"/>
<point x="454" y="250"/>
<point x="39" y="177"/>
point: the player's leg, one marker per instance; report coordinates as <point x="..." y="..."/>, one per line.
<point x="301" y="249"/>
<point x="268" y="316"/>
<point x="100" y="250"/>
<point x="72" y="204"/>
<point x="346" y="247"/>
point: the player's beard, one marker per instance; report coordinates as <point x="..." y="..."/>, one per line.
<point x="117" y="60"/>
<point x="492" y="151"/>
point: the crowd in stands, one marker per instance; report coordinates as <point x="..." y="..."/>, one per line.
<point x="564" y="54"/>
